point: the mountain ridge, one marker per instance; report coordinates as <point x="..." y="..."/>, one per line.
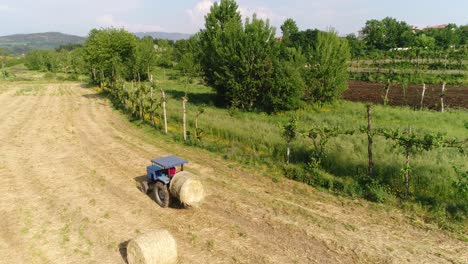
<point x="174" y="36"/>
<point x="22" y="43"/>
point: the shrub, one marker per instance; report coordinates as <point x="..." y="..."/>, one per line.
<point x="379" y="194"/>
<point x="50" y="76"/>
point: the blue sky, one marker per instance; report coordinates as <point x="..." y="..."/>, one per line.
<point x="186" y="16"/>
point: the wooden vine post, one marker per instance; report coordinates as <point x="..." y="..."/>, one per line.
<point x="289" y="134"/>
<point x="133" y="99"/>
<point x="184" y="117"/>
<point x="370" y="142"/>
<point x="407" y="164"/>
<point x="152" y="103"/>
<point x="442" y="95"/>
<point x="142" y="100"/>
<point x="422" y="95"/>
<point x="163" y="103"/>
<point x="199" y="131"/>
<point x="387" y="89"/>
<point x="411" y="143"/>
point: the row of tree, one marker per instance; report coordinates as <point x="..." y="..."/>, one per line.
<point x="248" y="67"/>
<point x="108" y="54"/>
<point x="407" y="142"/>
<point x="242" y="60"/>
<point x="56" y="61"/>
<point x="389" y="33"/>
<point x="251" y="69"/>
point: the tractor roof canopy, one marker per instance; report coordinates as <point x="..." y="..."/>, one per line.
<point x="169" y="161"/>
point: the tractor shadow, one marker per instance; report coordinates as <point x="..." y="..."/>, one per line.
<point x="174" y="202"/>
<point x="123" y="250"/>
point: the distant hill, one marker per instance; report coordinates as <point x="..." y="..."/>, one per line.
<point x="163" y="35"/>
<point x="22" y="43"/>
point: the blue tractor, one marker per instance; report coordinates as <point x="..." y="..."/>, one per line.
<point x="158" y="178"/>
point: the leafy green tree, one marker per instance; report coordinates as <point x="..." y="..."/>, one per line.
<point x="289" y="28"/>
<point x="424" y="41"/>
<point x="77" y="60"/>
<point x="3" y="59"/>
<point x="287" y="88"/>
<point x="63" y="60"/>
<point x="411" y="143"/>
<point x="164" y="53"/>
<point x="374" y="34"/>
<point x="464" y="35"/>
<point x="216" y="40"/>
<point x="191" y="45"/>
<point x="245" y="64"/>
<point x="356" y="46"/>
<point x="289" y="135"/>
<point x="256" y="66"/>
<point x="42" y="60"/>
<point x="145" y="58"/>
<point x="3" y="52"/>
<point x="110" y="54"/>
<point x="305" y="40"/>
<point x="386" y="34"/>
<point x="327" y="68"/>
<point x="187" y="55"/>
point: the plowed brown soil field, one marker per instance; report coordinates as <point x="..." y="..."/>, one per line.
<point x="68" y="171"/>
<point x="455" y="96"/>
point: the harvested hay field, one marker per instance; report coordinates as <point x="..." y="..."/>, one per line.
<point x="68" y="170"/>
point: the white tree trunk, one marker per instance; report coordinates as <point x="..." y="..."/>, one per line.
<point x="184" y="117"/>
<point x="422" y="95"/>
<point x="152" y="106"/>
<point x="387" y="89"/>
<point x="370" y="172"/>
<point x="288" y="152"/>
<point x="149" y="74"/>
<point x="442" y="98"/>
<point x="163" y="95"/>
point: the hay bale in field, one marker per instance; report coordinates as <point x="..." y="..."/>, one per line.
<point x="155" y="247"/>
<point x="187" y="188"/>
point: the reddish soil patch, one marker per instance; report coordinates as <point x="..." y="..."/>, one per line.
<point x="455" y="96"/>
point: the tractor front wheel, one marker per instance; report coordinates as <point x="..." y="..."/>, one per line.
<point x="161" y="194"/>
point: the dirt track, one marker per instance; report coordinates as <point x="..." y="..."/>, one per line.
<point x="68" y="170"/>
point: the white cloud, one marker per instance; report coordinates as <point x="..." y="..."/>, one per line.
<point x="198" y="12"/>
<point x="262" y="13"/>
<point x="5" y="8"/>
<point x="110" y="21"/>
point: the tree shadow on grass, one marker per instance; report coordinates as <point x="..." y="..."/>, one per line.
<point x="87" y="85"/>
<point x="195" y="98"/>
<point x="94" y="96"/>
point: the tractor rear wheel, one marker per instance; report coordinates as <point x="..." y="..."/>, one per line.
<point x="161" y="194"/>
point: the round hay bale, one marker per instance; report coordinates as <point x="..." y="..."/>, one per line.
<point x="155" y="247"/>
<point x="186" y="187"/>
